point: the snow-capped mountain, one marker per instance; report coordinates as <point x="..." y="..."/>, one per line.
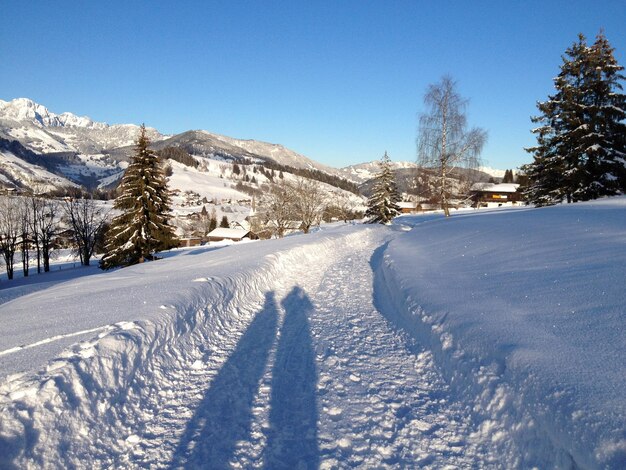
<point x="492" y="171"/>
<point x="363" y="172"/>
<point x="94" y="154"/>
<point x="277" y="153"/>
<point x="23" y="109"/>
<point x="44" y="149"/>
<point x="42" y="131"/>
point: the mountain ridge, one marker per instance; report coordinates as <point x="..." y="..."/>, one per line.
<point x="91" y="153"/>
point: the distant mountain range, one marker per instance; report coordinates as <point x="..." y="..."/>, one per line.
<point x="39" y="147"/>
<point x="78" y="150"/>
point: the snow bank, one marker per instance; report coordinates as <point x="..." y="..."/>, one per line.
<point x="525" y="311"/>
<point x="87" y="407"/>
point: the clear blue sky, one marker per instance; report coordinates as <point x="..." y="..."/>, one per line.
<point x="339" y="81"/>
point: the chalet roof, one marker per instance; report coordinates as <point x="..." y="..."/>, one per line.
<point x="495" y="187"/>
<point x="242" y="224"/>
<point x="407" y="205"/>
<point x="230" y="233"/>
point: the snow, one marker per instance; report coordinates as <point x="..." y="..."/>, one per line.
<point x="491" y="339"/>
<point x="496" y="173"/>
<point x="233" y="233"/>
<point x="29" y="175"/>
<point x="533" y="330"/>
<point x="496" y="187"/>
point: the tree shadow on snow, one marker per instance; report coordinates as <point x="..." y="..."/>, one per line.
<point x="225" y="414"/>
<point x="292" y="437"/>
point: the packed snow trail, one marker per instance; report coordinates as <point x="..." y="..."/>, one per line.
<point x="318" y="379"/>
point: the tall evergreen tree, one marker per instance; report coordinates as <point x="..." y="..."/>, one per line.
<point x="508" y="176"/>
<point x="142" y="229"/>
<point x="382" y="205"/>
<point x="580" y="152"/>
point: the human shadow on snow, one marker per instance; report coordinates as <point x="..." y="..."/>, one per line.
<point x="225" y="414"/>
<point x="292" y="437"/>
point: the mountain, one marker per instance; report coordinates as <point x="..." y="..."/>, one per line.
<point x="363" y="172"/>
<point x="19" y="169"/>
<point x="92" y="153"/>
<point x="59" y="150"/>
<point x="42" y="131"/>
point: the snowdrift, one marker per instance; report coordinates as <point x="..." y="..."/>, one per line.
<point x="76" y="412"/>
<point x="525" y="312"/>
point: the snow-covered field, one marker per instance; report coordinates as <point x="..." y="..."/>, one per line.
<point x="488" y="340"/>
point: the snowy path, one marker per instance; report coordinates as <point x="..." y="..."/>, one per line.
<point x="319" y="378"/>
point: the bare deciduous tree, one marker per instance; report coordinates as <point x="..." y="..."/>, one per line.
<point x="443" y="142"/>
<point x="25" y="238"/>
<point x="309" y="201"/>
<point x="86" y="220"/>
<point x="47" y="224"/>
<point x="9" y="231"/>
<point x="292" y="205"/>
<point x="277" y="208"/>
<point x="35" y="207"/>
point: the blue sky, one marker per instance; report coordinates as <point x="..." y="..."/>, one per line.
<point x="339" y="81"/>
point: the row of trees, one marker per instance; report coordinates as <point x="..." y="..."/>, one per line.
<point x="300" y="201"/>
<point x="31" y="226"/>
<point x="581" y="138"/>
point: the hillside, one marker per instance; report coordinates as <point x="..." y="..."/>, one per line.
<point x="93" y="153"/>
<point x="428" y="343"/>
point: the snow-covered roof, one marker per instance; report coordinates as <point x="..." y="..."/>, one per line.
<point x="407" y="205"/>
<point x="231" y="233"/>
<point x="495" y="187"/>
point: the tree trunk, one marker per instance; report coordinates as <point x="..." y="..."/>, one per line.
<point x="25" y="257"/>
<point x="85" y="256"/>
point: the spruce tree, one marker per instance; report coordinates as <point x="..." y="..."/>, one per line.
<point x="603" y="145"/>
<point x="382" y="205"/>
<point x="142" y="229"/>
<point x="508" y="176"/>
<point x="580" y="143"/>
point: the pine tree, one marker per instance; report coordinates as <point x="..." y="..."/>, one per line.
<point x="382" y="205"/>
<point x="604" y="142"/>
<point x="580" y="144"/>
<point x="508" y="176"/>
<point x="142" y="229"/>
<point x="224" y="222"/>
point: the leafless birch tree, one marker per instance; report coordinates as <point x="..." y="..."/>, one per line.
<point x="443" y="143"/>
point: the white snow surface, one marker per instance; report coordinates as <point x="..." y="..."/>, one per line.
<point x="493" y="339"/>
<point x="23" y="173"/>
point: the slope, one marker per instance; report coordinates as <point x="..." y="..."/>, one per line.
<point x="321" y="377"/>
<point x="524" y="311"/>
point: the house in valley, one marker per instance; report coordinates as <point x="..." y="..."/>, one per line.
<point x="495" y="194"/>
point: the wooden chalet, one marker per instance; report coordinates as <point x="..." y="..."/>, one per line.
<point x="495" y="194"/>
<point x="234" y="234"/>
<point x="407" y="207"/>
<point x="190" y="241"/>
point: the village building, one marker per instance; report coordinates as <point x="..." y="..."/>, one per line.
<point x="190" y="241"/>
<point x="495" y="194"/>
<point x="234" y="234"/>
<point x="407" y="207"/>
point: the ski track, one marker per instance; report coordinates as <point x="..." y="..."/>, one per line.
<point x="317" y="379"/>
